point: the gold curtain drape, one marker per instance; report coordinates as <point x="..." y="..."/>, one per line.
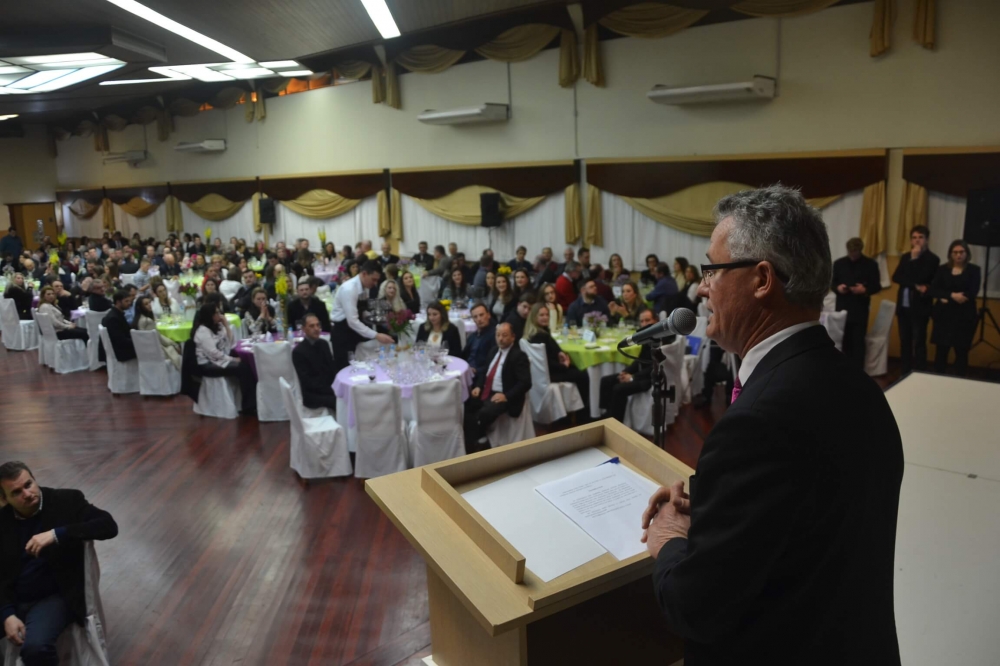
<point x="115" y="123"/>
<point x="881" y="33"/>
<point x="781" y="8"/>
<point x="462" y="205"/>
<point x="384" y="221"/>
<point x="648" y="20"/>
<point x="574" y="217"/>
<point x="923" y="23"/>
<point x="255" y="202"/>
<point x="428" y="59"/>
<point x="215" y="207"/>
<point x="321" y="204"/>
<point x="139" y="207"/>
<point x="519" y="43"/>
<point x="356" y="69"/>
<point x="392" y="98"/>
<point x="83" y="209"/>
<point x="912" y="212"/>
<point x="108" y="215"/>
<point x="175" y="219"/>
<point x="595" y="218"/>
<point x="569" y="59"/>
<point x="396" y="215"/>
<point x="873" y="219"/>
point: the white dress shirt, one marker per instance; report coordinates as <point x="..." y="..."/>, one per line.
<point x="498" y="361"/>
<point x="212" y="347"/>
<point x="345" y="307"/>
<point x="761" y="349"/>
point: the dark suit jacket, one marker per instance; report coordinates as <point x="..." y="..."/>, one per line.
<point x="315" y="369"/>
<point x="911" y="272"/>
<point x="83" y="522"/>
<point x="296" y="311"/>
<point x="425" y="259"/>
<point x="789" y="559"/>
<point x="120" y="334"/>
<point x="515" y="375"/>
<point x="479" y="346"/>
<point x="450" y="339"/>
<point x="99" y="303"/>
<point x="385" y="261"/>
<point x="863" y="271"/>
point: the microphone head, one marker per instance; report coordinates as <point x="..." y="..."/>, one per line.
<point x="683" y="321"/>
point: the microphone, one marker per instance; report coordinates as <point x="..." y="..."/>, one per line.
<point x="680" y="322"/>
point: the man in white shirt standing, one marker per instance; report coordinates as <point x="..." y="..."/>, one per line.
<point x="348" y="329"/>
<point x="500" y="389"/>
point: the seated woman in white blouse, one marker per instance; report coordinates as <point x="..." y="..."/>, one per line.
<point x="163" y="303"/>
<point x="65" y="330"/>
<point x="214" y="339"/>
<point x="437" y="332"/>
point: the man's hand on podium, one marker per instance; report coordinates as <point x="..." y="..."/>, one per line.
<point x="667" y="517"/>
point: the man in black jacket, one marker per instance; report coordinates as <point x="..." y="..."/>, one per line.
<point x="42" y="535"/>
<point x="636" y="378"/>
<point x="314" y="367"/>
<point x="501" y="389"/>
<point x="297" y="310"/>
<point x="783" y="553"/>
<point x="387" y="257"/>
<point x="423" y="258"/>
<point x="914" y="275"/>
<point x="479" y="346"/>
<point x="96" y="300"/>
<point x="855" y="279"/>
<point x="518" y="317"/>
<point x="119" y="330"/>
<point x="242" y="297"/>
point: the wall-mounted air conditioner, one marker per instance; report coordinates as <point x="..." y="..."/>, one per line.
<point x="206" y="146"/>
<point x="484" y="113"/>
<point x="760" y="88"/>
<point x="132" y="157"/>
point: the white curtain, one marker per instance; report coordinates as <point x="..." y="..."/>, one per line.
<point x="154" y="225"/>
<point x="358" y="224"/>
<point x="542" y="226"/>
<point x="76" y="227"/>
<point x="239" y="225"/>
<point x="946" y="220"/>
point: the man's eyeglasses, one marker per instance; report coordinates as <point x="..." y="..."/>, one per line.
<point x="708" y="271"/>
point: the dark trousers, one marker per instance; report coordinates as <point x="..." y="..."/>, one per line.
<point x="243" y="373"/>
<point x="961" y="360"/>
<point x="43" y="621"/>
<point x="854" y="341"/>
<point x="317" y="400"/>
<point x="344" y="340"/>
<point x="479" y="416"/>
<point x="614" y="394"/>
<point x="581" y="379"/>
<point x="912" y="340"/>
<point x="73" y="333"/>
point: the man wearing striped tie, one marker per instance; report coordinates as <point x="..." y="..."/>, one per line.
<point x="783" y="552"/>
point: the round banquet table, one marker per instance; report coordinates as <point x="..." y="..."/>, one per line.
<point x="325" y="273"/>
<point x="457" y="369"/>
<point x="601" y="362"/>
<point x="244" y="348"/>
<point x="182" y="332"/>
<point x="79" y="313"/>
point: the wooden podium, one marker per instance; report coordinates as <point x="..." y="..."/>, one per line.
<point x="486" y="606"/>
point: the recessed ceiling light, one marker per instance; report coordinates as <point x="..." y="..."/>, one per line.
<point x="297" y="72"/>
<point x="200" y="72"/>
<point x="250" y="73"/>
<point x="381" y="17"/>
<point x="39" y="78"/>
<point x="15" y="70"/>
<point x="78" y="76"/>
<point x="279" y="64"/>
<point x="173" y="26"/>
<point x="60" y="57"/>
<point x="103" y="62"/>
<point x="8" y="117"/>
<point x="121" y="82"/>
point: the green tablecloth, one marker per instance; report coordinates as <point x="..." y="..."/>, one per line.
<point x="584" y="358"/>
<point x="181" y="332"/>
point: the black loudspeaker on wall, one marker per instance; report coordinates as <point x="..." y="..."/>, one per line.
<point x="982" y="218"/>
<point x="268" y="214"/>
<point x="491" y="209"/>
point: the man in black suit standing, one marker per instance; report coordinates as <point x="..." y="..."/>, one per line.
<point x="914" y="275"/>
<point x="636" y="378"/>
<point x="501" y="389"/>
<point x="119" y="330"/>
<point x="314" y="366"/>
<point x="783" y="553"/>
<point x="297" y="310"/>
<point x="42" y="535"/>
<point x="855" y="279"/>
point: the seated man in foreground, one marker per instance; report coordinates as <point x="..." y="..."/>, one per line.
<point x="501" y="389"/>
<point x="314" y="367"/>
<point x="636" y="378"/>
<point x="41" y="560"/>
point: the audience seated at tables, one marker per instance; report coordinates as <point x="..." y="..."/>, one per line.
<point x="636" y="378"/>
<point x="20" y="293"/>
<point x="693" y="279"/>
<point x="408" y="292"/>
<point x="259" y="316"/>
<point x="561" y="368"/>
<point x="387" y="257"/>
<point x="649" y="276"/>
<point x="456" y="287"/>
<point x="499" y="388"/>
<point x="388" y="292"/>
<point x="557" y="316"/>
<point x="566" y="291"/>
<point x="664" y="294"/>
<point x="42" y="574"/>
<point x="65" y="329"/>
<point x="545" y="269"/>
<point x="97" y="301"/>
<point x="479" y="343"/>
<point x="214" y="340"/>
<point x="503" y="298"/>
<point x="522" y="283"/>
<point x="486" y="265"/>
<point x="519" y="261"/>
<point x="133" y="292"/>
<point x="119" y="330"/>
<point x="855" y="279"/>
<point x="680" y="268"/>
<point x="306" y="303"/>
<point x="242" y="298"/>
<point x="518" y="317"/>
<point x="616" y="269"/>
<point x="955" y="286"/>
<point x="588" y="301"/>
<point x="423" y="258"/>
<point x="141" y="277"/>
<point x="32" y="270"/>
<point x="163" y="303"/>
<point x="145" y="320"/>
<point x="442" y="265"/>
<point x="314" y="366"/>
<point x="629" y="306"/>
<point x="303" y="265"/>
<point x="211" y="288"/>
<point x="437" y="331"/>
<point x="66" y="301"/>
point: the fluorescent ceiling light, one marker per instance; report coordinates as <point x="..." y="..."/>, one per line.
<point x="297" y="72"/>
<point x="380" y="16"/>
<point x="121" y="82"/>
<point x="250" y="73"/>
<point x="39" y="78"/>
<point x="200" y="72"/>
<point x="80" y="75"/>
<point x="79" y="63"/>
<point x="8" y="117"/>
<point x="58" y="58"/>
<point x="173" y="26"/>
<point x="7" y="79"/>
<point x="14" y="70"/>
<point x="279" y="64"/>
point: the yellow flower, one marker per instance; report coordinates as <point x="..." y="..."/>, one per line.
<point x="446" y="303"/>
<point x="281" y="286"/>
<point x="322" y="236"/>
<point x="208" y="233"/>
<point x="504" y="270"/>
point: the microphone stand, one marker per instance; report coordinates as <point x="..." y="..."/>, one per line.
<point x="661" y="393"/>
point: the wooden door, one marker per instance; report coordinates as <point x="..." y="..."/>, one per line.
<point x="25" y="217"/>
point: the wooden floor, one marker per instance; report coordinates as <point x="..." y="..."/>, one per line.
<point x="223" y="557"/>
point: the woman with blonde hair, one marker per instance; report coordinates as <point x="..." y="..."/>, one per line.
<point x="389" y="292"/>
<point x="65" y="330"/>
<point x="629" y="306"/>
<point x="561" y="368"/>
<point x="555" y="310"/>
<point x="20" y="292"/>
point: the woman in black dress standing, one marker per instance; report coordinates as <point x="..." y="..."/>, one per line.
<point x="955" y="287"/>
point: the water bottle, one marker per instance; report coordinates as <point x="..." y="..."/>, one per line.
<point x="381" y="355"/>
<point x="268" y="337"/>
<point x="392" y="351"/>
<point x="565" y="329"/>
<point x="290" y="334"/>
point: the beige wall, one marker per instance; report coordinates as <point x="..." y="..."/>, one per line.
<point x="27" y="172"/>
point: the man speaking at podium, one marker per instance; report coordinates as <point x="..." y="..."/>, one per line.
<point x="783" y="553"/>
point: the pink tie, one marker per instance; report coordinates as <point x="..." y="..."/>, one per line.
<point x="737" y="387"/>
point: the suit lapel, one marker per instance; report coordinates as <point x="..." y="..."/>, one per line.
<point x="814" y="337"/>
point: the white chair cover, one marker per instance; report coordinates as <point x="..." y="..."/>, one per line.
<point x="274" y="362"/>
<point x="318" y="446"/>
<point x="639" y="412"/>
<point x="549" y="401"/>
<point x="43" y="350"/>
<point x="63" y="356"/>
<point x="877" y="340"/>
<point x="122" y="377"/>
<point x="436" y="432"/>
<point x="835" y="323"/>
<point x="78" y="646"/>
<point x="507" y="430"/>
<point x="94" y="320"/>
<point x="428" y="289"/>
<point x="17" y="335"/>
<point x="381" y="434"/>
<point x="830" y="302"/>
<point x="229" y="288"/>
<point x="127" y="278"/>
<point x="219" y="398"/>
<point x="157" y="375"/>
